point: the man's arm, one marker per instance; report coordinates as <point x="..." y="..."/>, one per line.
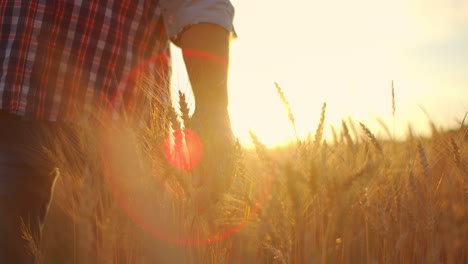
<point x="202" y="29"/>
<point x="206" y="55"/>
<point x="207" y="66"/>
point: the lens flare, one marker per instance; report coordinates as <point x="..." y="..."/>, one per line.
<point x="148" y="177"/>
<point x="184" y="149"/>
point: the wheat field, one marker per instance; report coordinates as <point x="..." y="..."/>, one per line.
<point x="354" y="198"/>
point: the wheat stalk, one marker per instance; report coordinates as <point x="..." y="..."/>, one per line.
<point x="372" y="138"/>
<point x="335" y="137"/>
<point x="173" y="118"/>
<point x="287" y="107"/>
<point x="32" y="241"/>
<point x="434" y="129"/>
<point x="423" y="159"/>
<point x="259" y="147"/>
<point x="456" y="151"/>
<point x="319" y="131"/>
<point x="346" y="134"/>
<point x="183" y="107"/>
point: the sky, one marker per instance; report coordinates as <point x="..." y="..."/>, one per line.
<point x="345" y="53"/>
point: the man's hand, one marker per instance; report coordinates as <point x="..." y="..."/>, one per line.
<point x="206" y="53"/>
<point x="213" y="175"/>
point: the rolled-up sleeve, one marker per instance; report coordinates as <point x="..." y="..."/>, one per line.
<point x="178" y="14"/>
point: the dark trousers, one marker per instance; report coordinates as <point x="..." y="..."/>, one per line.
<point x="27" y="177"/>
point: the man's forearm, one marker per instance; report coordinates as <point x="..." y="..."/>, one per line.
<point x="206" y="57"/>
<point x="208" y="69"/>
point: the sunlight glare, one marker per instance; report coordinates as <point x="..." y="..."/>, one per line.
<point x="343" y="53"/>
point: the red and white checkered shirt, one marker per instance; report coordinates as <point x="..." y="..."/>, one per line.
<point x="62" y="57"/>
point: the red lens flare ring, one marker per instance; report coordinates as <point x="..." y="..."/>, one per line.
<point x="117" y="95"/>
<point x="138" y="183"/>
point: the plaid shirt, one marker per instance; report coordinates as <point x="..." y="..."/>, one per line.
<point x="65" y="59"/>
<point x="60" y="58"/>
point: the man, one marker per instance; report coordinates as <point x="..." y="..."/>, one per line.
<point x="63" y="61"/>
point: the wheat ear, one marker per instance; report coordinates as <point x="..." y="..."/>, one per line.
<point x="183" y="107"/>
<point x="423" y="159"/>
<point x="319" y="131"/>
<point x="372" y="138"/>
<point x="287" y="107"/>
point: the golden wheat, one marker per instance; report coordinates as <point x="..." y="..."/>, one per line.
<point x="332" y="204"/>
